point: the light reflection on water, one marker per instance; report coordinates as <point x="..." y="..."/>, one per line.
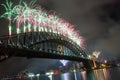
<point x="101" y="74"/>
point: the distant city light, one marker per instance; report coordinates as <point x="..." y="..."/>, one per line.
<point x="37" y="74"/>
<point x="31" y="75"/>
<point x="105" y="61"/>
<point x="49" y="74"/>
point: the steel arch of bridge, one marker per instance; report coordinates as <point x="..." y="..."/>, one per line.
<point x="32" y="40"/>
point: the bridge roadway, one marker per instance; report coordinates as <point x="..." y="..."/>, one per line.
<point x="17" y="52"/>
<point x="28" y="45"/>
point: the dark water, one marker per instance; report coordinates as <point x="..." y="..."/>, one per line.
<point x="101" y="74"/>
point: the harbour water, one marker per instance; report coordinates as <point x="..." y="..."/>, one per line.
<point x="100" y="74"/>
<point x="60" y="72"/>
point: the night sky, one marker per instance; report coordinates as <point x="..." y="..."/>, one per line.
<point x="97" y="20"/>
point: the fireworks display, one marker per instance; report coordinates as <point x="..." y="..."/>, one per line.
<point x="96" y="53"/>
<point x="64" y="62"/>
<point x="28" y="18"/>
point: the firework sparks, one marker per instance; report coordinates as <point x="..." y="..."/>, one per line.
<point x="29" y="19"/>
<point x="64" y="62"/>
<point x="96" y="53"/>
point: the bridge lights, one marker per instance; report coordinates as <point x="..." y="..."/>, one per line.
<point x="93" y="58"/>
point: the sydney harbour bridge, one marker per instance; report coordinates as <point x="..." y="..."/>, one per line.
<point x="36" y="33"/>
